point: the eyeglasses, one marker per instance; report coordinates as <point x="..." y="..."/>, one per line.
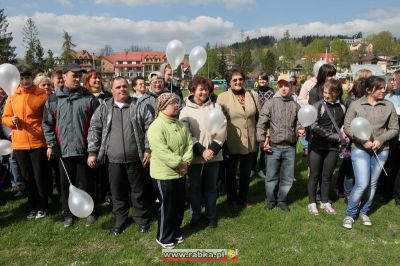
<point x="157" y="82"/>
<point x="236" y="80"/>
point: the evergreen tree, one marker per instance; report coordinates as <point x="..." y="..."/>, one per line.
<point x="288" y="51"/>
<point x="222" y="66"/>
<point x="7" y="52"/>
<point x="49" y="62"/>
<point x="210" y="69"/>
<point x="67" y="49"/>
<point x="40" y="64"/>
<point x="243" y="58"/>
<point x="269" y="62"/>
<point x="31" y="41"/>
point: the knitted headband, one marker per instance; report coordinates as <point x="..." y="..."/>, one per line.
<point x="165" y="99"/>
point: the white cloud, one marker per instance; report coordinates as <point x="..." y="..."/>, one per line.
<point x="93" y="32"/>
<point x="65" y="2"/>
<point x="390" y="23"/>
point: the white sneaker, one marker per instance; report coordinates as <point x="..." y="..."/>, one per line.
<point x="166" y="246"/>
<point x="312" y="209"/>
<point x="252" y="173"/>
<point x="365" y="220"/>
<point x="328" y="208"/>
<point x="261" y="174"/>
<point x="348" y="222"/>
<point x="179" y="239"/>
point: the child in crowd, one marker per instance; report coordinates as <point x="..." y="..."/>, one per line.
<point x="324" y="145"/>
<point x="172" y="151"/>
<point x="276" y="129"/>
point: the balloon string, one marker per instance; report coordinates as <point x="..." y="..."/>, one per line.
<point x="12" y="108"/>
<point x="380" y="163"/>
<point x="65" y="171"/>
<point x="172" y="80"/>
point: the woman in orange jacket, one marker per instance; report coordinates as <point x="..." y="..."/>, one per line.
<point x="23" y="113"/>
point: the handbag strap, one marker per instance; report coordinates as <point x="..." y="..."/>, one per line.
<point x="333" y="120"/>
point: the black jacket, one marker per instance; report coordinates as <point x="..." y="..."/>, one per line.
<point x="323" y="133"/>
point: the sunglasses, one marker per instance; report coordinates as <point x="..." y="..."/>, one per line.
<point x="236" y="80"/>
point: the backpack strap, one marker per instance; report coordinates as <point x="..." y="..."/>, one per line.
<point x="332" y="120"/>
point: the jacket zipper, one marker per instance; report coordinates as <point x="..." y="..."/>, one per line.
<point x="122" y="130"/>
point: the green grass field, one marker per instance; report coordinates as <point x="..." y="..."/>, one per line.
<point x="261" y="237"/>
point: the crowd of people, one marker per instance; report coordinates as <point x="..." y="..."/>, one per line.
<point x="141" y="147"/>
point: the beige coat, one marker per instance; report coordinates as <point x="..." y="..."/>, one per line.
<point x="192" y="116"/>
<point x="241" y="123"/>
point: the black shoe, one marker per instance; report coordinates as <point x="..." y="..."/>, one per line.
<point x="270" y="206"/>
<point x="144" y="228"/>
<point x="213" y="224"/>
<point x="68" y="221"/>
<point x="90" y="220"/>
<point x="386" y="199"/>
<point x="108" y="198"/>
<point x="116" y="231"/>
<point x="284" y="207"/>
<point x="194" y="223"/>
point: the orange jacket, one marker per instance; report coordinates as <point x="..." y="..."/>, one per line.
<point x="27" y="105"/>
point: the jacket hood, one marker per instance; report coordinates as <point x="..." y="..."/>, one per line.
<point x="144" y="97"/>
<point x="190" y="103"/>
<point x="286" y="98"/>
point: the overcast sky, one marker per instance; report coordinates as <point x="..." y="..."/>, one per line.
<point x="153" y="23"/>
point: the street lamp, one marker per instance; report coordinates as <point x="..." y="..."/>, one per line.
<point x="94" y="62"/>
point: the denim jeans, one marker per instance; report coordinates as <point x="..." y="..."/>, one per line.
<point x="203" y="180"/>
<point x="16" y="178"/>
<point x="280" y="172"/>
<point x="366" y="173"/>
<point x="9" y="168"/>
<point x="245" y="162"/>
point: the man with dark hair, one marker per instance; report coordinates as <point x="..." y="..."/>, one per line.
<point x="166" y="74"/>
<point x="118" y="131"/>
<point x="66" y="119"/>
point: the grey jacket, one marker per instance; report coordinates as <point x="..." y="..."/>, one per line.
<point x="66" y="119"/>
<point x="383" y="119"/>
<point x="100" y="125"/>
<point x="278" y="117"/>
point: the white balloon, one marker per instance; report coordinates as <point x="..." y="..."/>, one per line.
<point x="197" y="59"/>
<point x="307" y="115"/>
<point x="361" y="128"/>
<point x="317" y="66"/>
<point x="5" y="147"/>
<point x="214" y="120"/>
<point x="80" y="202"/>
<point x="175" y="53"/>
<point x="9" y="78"/>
